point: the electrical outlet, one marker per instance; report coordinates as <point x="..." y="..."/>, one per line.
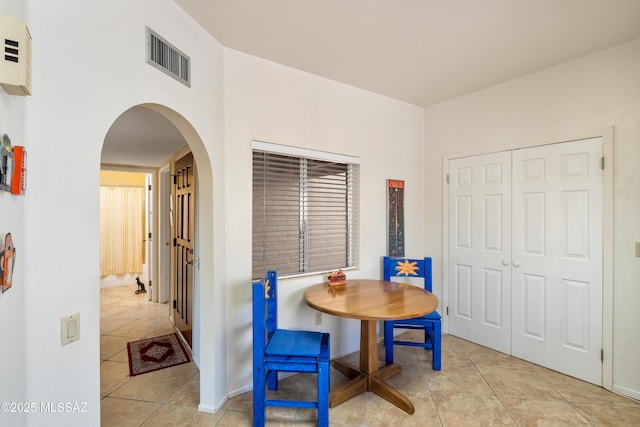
<point x="318" y="318"/>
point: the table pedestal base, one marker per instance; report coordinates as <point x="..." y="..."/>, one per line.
<point x="369" y="377"/>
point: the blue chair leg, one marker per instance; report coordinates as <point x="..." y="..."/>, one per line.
<point x="437" y="345"/>
<point x="388" y="342"/>
<point x="259" y="395"/>
<point x="323" y="394"/>
<point x="272" y="379"/>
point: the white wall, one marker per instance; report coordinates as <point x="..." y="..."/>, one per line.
<point x="12" y="302"/>
<point x="88" y="68"/>
<point x="599" y="90"/>
<point x="270" y="102"/>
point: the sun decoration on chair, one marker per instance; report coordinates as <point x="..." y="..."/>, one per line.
<point x="266" y="289"/>
<point x="407" y="268"/>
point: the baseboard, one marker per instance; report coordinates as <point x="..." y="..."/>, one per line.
<point x="627" y="392"/>
<point x="207" y="408"/>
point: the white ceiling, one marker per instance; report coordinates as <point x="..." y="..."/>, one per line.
<point x="419" y="51"/>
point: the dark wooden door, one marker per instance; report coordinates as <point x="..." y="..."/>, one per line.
<point x="184" y="192"/>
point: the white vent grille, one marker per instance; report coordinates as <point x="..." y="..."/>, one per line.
<point x="15" y="61"/>
<point x="167" y="58"/>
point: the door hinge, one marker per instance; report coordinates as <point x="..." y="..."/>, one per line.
<point x="175" y="304"/>
<point x="602" y="355"/>
<point x="149" y="236"/>
<point x="175" y="242"/>
<point x="149" y="187"/>
<point x="175" y="179"/>
<point x="602" y="163"/>
<point x="447" y="178"/>
<point x="150" y="283"/>
<point x="447" y="310"/>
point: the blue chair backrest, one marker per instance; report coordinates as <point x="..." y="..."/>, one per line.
<point x="409" y="267"/>
<point x="265" y="310"/>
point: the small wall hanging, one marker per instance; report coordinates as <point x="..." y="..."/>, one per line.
<point x="19" y="179"/>
<point x="6" y="163"/>
<point x="395" y="223"/>
<point x="7" y="261"/>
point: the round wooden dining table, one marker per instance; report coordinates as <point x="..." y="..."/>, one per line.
<point x="370" y="301"/>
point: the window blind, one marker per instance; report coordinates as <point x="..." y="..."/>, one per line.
<point x="305" y="214"/>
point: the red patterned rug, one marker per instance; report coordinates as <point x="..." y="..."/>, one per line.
<point x="151" y="354"/>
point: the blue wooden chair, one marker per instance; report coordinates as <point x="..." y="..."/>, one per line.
<point x="277" y="350"/>
<point x="429" y="323"/>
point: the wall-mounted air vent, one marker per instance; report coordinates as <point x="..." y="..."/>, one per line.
<point x="15" y="62"/>
<point x="167" y="58"/>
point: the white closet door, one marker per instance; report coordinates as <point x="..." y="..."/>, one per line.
<point x="480" y="249"/>
<point x="557" y="257"/>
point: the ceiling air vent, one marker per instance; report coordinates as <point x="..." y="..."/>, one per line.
<point x="167" y="58"/>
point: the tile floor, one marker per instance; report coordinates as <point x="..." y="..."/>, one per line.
<point x="476" y="387"/>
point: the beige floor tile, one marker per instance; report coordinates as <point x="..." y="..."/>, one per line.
<point x="241" y="403"/>
<point x="240" y="419"/>
<point x="110" y="345"/>
<point x="121" y="356"/>
<point x="161" y="330"/>
<point x="189" y="394"/>
<point x="143" y="327"/>
<point x="480" y="355"/>
<point x="453" y="355"/>
<point x="529" y="412"/>
<point x="157" y="386"/>
<point x="381" y="413"/>
<point x="608" y="415"/>
<point x="461" y="379"/>
<point x="181" y="416"/>
<point x="578" y="391"/>
<point x="351" y="412"/>
<point x="110" y="324"/>
<point x="458" y="409"/>
<point x="125" y="413"/>
<point x="112" y="376"/>
<point x="517" y="383"/>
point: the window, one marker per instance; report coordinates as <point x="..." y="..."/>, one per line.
<point x="305" y="210"/>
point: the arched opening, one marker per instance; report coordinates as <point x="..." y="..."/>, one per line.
<point x="148" y="138"/>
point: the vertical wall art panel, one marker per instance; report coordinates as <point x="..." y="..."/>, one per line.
<point x="395" y="228"/>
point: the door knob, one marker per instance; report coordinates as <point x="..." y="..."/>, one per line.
<point x="516" y="264"/>
<point x="505" y="262"/>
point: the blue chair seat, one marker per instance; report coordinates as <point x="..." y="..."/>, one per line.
<point x="294" y="343"/>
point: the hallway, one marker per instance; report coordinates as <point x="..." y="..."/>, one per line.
<point x="476" y="386"/>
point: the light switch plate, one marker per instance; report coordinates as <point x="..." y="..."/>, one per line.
<point x="70" y="328"/>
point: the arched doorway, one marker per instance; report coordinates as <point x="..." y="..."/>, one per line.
<point x="149" y="137"/>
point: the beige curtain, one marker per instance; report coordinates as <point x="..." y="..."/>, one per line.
<point x="122" y="218"/>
